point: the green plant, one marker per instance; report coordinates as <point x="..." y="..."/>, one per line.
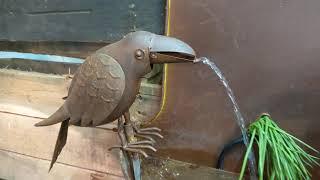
<point x="279" y="152"/>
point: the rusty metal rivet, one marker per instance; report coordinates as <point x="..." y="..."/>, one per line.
<point x="139" y="54"/>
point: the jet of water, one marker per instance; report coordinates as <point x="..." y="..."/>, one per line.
<point x="236" y="109"/>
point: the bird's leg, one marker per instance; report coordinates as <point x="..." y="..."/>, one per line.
<point x="121" y="132"/>
<point x="131" y="148"/>
<point x="137" y="145"/>
<point x="125" y="157"/>
<point x="128" y="140"/>
<point x="130" y="134"/>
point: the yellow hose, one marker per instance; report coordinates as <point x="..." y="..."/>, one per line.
<point x="165" y="67"/>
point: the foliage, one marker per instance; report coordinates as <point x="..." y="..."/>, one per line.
<point x="280" y="154"/>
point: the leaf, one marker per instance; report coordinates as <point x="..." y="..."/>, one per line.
<point x="278" y="152"/>
<point x="247" y="155"/>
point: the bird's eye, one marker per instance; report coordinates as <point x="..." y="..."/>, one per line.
<point x="139" y="54"/>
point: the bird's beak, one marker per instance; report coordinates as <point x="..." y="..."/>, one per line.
<point x="170" y="50"/>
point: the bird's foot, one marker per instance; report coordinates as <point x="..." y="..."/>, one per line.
<point x="147" y="133"/>
<point x="137" y="147"/>
<point x="128" y="133"/>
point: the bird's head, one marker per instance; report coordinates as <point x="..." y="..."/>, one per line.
<point x="143" y="49"/>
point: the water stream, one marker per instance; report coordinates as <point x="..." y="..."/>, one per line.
<point x="236" y="109"/>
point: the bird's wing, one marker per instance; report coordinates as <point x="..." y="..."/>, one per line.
<point x="96" y="91"/>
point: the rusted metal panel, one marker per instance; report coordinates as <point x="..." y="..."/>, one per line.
<point x="268" y="50"/>
<point x="78" y="20"/>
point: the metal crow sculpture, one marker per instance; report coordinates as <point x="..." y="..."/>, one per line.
<point x="106" y="84"/>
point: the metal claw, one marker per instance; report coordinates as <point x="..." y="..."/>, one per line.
<point x="142" y="142"/>
<point x="150" y="133"/>
<point x="145" y="137"/>
<point x="150" y="129"/>
<point x="146" y="131"/>
<point x="142" y="147"/>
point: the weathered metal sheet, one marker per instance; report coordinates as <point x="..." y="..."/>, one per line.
<point x="268" y="50"/>
<point x="78" y="20"/>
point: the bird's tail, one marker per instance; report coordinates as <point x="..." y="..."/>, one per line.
<point x="59" y="116"/>
<point x="61" y="141"/>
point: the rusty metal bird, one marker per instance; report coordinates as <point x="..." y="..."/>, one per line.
<point x="106" y="84"/>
